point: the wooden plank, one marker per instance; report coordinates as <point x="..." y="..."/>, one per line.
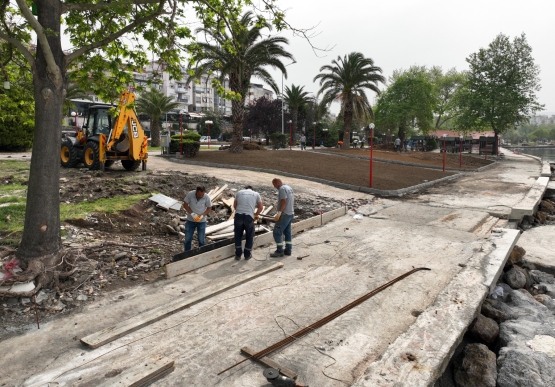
<point x="315" y="221"/>
<point x="266" y="210"/>
<point x="132" y="324"/>
<point x="142" y="374"/>
<point x="270" y="363"/>
<point x="218" y="193"/>
<point x="331" y="215"/>
<point x="230" y="234"/>
<point x="217" y="227"/>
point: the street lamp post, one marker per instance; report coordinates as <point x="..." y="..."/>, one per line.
<point x="444" y="150"/>
<point x="181" y="132"/>
<point x="290" y="133"/>
<point x="460" y="150"/>
<point x="371" y="134"/>
<point x="282" y="125"/>
<point x="486" y="148"/>
<point x="325" y="135"/>
<point x="74" y="115"/>
<point x="314" y="137"/>
<point x="208" y="123"/>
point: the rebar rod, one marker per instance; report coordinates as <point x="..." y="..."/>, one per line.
<point x="325" y="320"/>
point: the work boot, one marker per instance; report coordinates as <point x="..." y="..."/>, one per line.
<point x="247" y="258"/>
<point x="276" y="254"/>
<point x="287" y="252"/>
<point x="238" y="257"/>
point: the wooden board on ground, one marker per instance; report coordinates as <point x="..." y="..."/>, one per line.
<point x="142" y="374"/>
<point x="217" y="227"/>
<point x="315" y="221"/>
<point x="218" y="193"/>
<point x="331" y="215"/>
<point x="132" y="324"/>
<point x="269" y="363"/>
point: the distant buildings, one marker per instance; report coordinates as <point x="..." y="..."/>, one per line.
<point x="542" y="119"/>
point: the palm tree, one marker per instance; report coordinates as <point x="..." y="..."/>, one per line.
<point x="346" y="80"/>
<point x="238" y="55"/>
<point x="153" y="103"/>
<point x="295" y="98"/>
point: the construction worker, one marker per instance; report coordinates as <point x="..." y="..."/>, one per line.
<point x="246" y="201"/>
<point x="284" y="218"/>
<point x="197" y="204"/>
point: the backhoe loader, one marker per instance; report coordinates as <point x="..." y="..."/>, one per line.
<point x="104" y="139"/>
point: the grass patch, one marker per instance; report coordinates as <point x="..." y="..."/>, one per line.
<point x="12" y="199"/>
<point x="12" y="189"/>
<point x="14" y="167"/>
<point x="12" y="217"/>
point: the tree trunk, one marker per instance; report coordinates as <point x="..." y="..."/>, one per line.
<point x="347" y="120"/>
<point x="41" y="233"/>
<point x="294" y="116"/>
<point x="155" y="132"/>
<point x="238" y="113"/>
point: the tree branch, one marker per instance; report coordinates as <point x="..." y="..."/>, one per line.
<point x="75" y="54"/>
<point x="66" y="7"/>
<point x="24" y="51"/>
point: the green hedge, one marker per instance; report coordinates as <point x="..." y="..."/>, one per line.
<point x="191" y="144"/>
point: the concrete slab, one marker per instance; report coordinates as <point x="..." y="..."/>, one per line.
<point x="529" y="204"/>
<point x="546" y="169"/>
<point x="540" y="248"/>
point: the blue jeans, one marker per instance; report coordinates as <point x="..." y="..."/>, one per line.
<point x="303" y="145"/>
<point x="283" y="227"/>
<point x="190" y="231"/>
<point x="244" y="223"/>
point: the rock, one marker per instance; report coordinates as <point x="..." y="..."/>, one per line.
<point x="25" y="301"/>
<point x="516" y="255"/>
<point x="545" y="300"/>
<point x="476" y="367"/>
<point x="518" y="369"/>
<point x="529" y="281"/>
<point x="485" y="329"/>
<point x="548" y="289"/>
<point x="170" y="229"/>
<point x="547" y="206"/>
<point x="120" y="255"/>
<point x="42" y="296"/>
<point x="541" y="216"/>
<point x="515" y="278"/>
<point x="174" y="223"/>
<point x="541" y="277"/>
<point x="496" y="310"/>
<point x="81" y="297"/>
<point x="58" y="305"/>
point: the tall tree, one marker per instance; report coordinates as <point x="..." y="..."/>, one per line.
<point x="446" y="87"/>
<point x="263" y="116"/>
<point x="408" y="102"/>
<point x="296" y="98"/>
<point x="500" y="91"/>
<point x="240" y="52"/>
<point x="110" y="40"/>
<point x="154" y="104"/>
<point x="346" y="80"/>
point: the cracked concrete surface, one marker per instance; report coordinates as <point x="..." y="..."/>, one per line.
<point x="441" y="228"/>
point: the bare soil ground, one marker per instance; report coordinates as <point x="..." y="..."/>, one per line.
<point x="354" y="169"/>
<point x="131" y="247"/>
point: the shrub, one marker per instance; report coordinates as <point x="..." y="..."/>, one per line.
<point x="278" y="140"/>
<point x="191" y="144"/>
<point x="431" y="144"/>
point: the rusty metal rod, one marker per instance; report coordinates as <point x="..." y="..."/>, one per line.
<point x="323" y="321"/>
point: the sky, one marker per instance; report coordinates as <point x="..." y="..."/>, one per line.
<point x="398" y="34"/>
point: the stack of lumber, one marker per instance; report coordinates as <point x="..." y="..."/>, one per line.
<point x="225" y="229"/>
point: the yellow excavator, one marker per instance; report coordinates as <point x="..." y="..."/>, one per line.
<point x="104" y="139"/>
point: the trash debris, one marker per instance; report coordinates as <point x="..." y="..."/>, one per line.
<point x="358" y="217"/>
<point x="496" y="293"/>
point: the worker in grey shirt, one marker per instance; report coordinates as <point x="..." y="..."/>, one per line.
<point x="246" y="203"/>
<point x="284" y="219"/>
<point x="197" y="204"/>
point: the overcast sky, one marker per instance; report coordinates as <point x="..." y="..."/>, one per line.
<point x="397" y="34"/>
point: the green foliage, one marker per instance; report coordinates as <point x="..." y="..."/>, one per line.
<point x="191" y="144"/>
<point x="279" y="140"/>
<point x="296" y="98"/>
<point x="408" y="102"/>
<point x="154" y="104"/>
<point x="500" y="91"/>
<point x="346" y="80"/>
<point x="431" y="144"/>
<point x="216" y="126"/>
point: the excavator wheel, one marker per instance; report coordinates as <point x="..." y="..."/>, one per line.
<point x="131" y="165"/>
<point x="109" y="163"/>
<point x="91" y="155"/>
<point x="69" y="154"/>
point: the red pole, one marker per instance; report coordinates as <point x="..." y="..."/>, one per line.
<point x="208" y="136"/>
<point x="371" y="156"/>
<point x="486" y="149"/>
<point x="460" y="152"/>
<point x="444" y="152"/>
<point x="498" y="144"/>
<point x="314" y="137"/>
<point x="181" y="136"/>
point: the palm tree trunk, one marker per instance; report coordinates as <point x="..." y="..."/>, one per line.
<point x="155" y="131"/>
<point x="347" y="120"/>
<point x="238" y="113"/>
<point x="294" y="116"/>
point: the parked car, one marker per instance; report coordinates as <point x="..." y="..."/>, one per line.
<point x="246" y="138"/>
<point x="206" y="139"/>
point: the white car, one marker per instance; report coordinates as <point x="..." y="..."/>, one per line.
<point x="206" y="139"/>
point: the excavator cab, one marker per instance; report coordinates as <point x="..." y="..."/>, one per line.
<point x="105" y="139"/>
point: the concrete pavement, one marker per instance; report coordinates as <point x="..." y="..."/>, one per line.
<point x="446" y="228"/>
